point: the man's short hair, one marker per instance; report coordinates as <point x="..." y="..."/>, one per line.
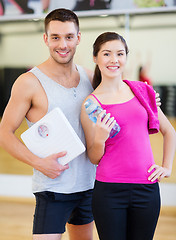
<point x="62" y="15"/>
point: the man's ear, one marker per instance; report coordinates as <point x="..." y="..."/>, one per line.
<point x="79" y="37"/>
<point x="45" y="37"/>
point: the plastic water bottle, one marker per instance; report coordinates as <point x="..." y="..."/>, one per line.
<point x="93" y="110"/>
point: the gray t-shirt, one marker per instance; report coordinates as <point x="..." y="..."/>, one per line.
<point x="81" y="173"/>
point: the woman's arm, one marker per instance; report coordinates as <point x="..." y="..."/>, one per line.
<point x="169" y="147"/>
<point x="96" y="134"/>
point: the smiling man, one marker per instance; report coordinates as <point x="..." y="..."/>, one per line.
<point x="63" y="193"/>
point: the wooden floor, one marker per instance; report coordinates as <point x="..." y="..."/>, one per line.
<point x="16" y="221"/>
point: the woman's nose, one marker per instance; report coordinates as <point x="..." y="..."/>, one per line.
<point x="114" y="59"/>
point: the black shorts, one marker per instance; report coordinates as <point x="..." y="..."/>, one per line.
<point x="54" y="210"/>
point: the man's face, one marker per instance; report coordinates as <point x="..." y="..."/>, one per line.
<point x="62" y="39"/>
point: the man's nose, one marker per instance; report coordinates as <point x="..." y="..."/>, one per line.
<point x="62" y="44"/>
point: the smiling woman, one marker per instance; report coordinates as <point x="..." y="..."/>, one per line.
<point x="112" y="56"/>
<point x="126" y="172"/>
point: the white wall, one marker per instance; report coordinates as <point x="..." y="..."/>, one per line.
<point x="21" y="186"/>
<point x="150" y="36"/>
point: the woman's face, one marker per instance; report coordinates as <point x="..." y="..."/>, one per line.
<point x="111" y="59"/>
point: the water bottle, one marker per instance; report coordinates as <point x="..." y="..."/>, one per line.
<point x="93" y="110"/>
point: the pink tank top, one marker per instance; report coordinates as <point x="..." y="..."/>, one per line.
<point x="128" y="155"/>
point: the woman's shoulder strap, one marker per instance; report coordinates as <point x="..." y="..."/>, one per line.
<point x="96" y="98"/>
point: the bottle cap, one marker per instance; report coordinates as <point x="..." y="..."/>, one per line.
<point x="90" y="106"/>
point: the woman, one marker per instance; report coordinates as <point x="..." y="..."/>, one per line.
<point x="126" y="200"/>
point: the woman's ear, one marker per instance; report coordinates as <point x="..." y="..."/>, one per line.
<point x="95" y="59"/>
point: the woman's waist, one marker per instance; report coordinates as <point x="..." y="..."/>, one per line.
<point x="125" y="169"/>
<point x="116" y="177"/>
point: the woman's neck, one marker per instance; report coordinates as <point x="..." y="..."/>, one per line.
<point x="111" y="85"/>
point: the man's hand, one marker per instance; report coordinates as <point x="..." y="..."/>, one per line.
<point x="50" y="167"/>
<point x="158" y="100"/>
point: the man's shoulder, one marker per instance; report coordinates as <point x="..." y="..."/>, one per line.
<point x="89" y="73"/>
<point x="26" y="81"/>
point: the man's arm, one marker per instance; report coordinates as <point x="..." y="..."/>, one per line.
<point x="18" y="106"/>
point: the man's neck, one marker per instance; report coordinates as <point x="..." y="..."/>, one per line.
<point x="65" y="74"/>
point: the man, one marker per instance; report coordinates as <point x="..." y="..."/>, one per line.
<point x="63" y="193"/>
